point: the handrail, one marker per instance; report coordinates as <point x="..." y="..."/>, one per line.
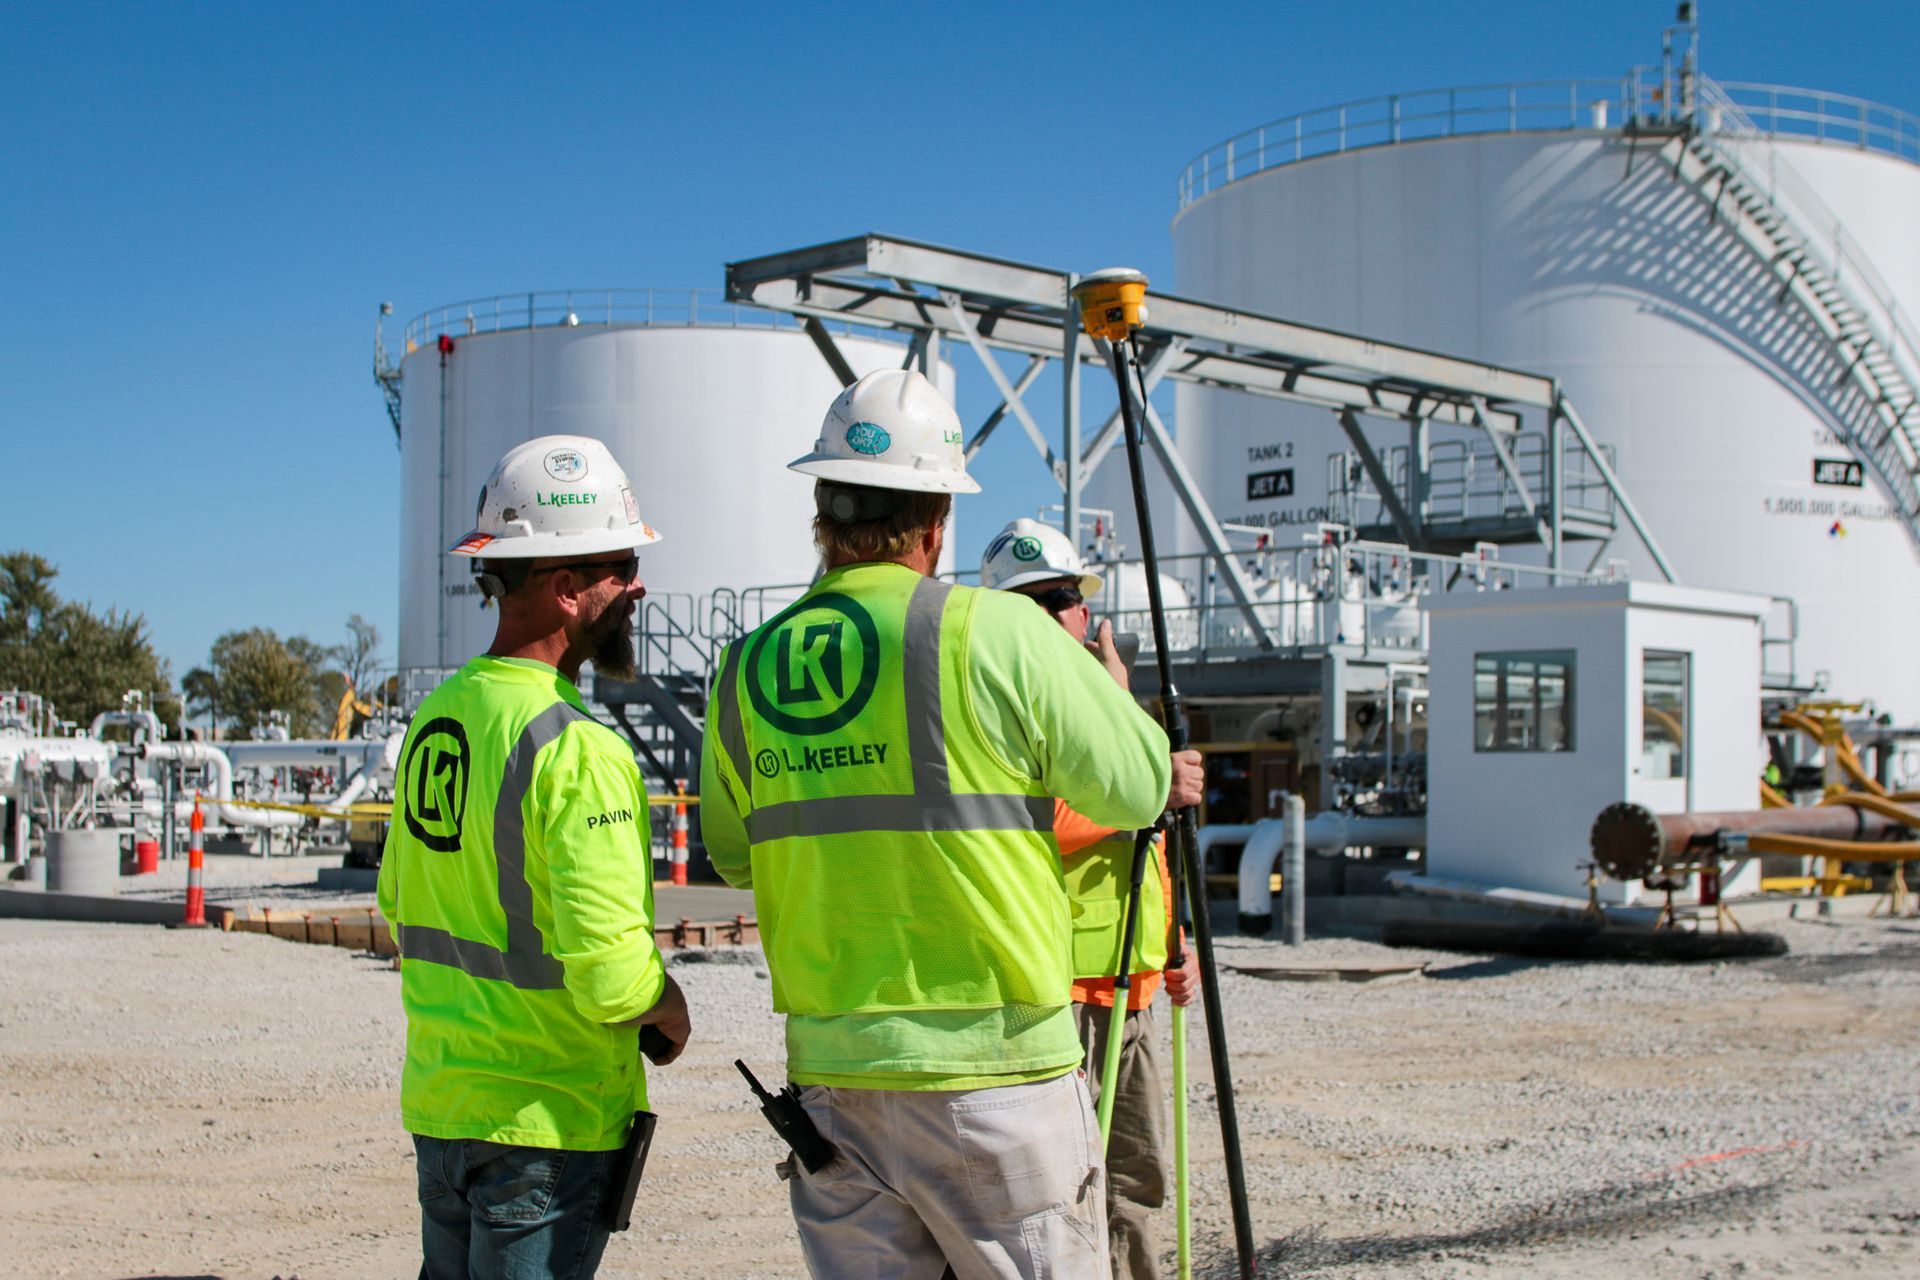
<point x="584" y="308"/>
<point x="1732" y="132"/>
<point x="1328" y="590"/>
<point x="1533" y="106"/>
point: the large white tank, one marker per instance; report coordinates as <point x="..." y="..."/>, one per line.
<point x="1546" y="241"/>
<point x="702" y="404"/>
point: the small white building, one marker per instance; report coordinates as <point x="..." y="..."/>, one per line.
<point x="1548" y="705"/>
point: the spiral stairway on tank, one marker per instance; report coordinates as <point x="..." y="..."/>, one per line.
<point x="1873" y="360"/>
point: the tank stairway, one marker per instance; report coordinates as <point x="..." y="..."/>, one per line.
<point x="663" y="709"/>
<point x="1871" y="352"/>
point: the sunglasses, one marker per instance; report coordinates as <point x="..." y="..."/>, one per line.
<point x="625" y="570"/>
<point x="1057" y="599"/>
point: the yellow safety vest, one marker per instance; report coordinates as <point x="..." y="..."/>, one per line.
<point x="897" y="862"/>
<point x="519" y="836"/>
<point x="1097" y="881"/>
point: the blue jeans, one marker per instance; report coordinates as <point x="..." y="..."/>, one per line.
<point x="489" y="1211"/>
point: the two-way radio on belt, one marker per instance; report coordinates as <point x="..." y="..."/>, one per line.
<point x="1112" y="309"/>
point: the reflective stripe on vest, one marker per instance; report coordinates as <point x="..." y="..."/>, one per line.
<point x="524" y="963"/>
<point x="933" y="805"/>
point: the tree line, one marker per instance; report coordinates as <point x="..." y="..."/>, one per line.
<point x="84" y="661"/>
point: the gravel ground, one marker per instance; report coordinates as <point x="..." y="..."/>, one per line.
<point x="205" y="1104"/>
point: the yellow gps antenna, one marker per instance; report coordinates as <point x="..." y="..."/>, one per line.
<point x="1113" y="309"/>
<point x="1113" y="303"/>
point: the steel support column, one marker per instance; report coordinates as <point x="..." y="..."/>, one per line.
<point x="1556" y="488"/>
<point x="1382" y="482"/>
<point x="1333" y="720"/>
<point x="1075" y="477"/>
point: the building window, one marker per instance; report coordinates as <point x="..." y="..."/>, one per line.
<point x="1523" y="701"/>
<point x="1663" y="715"/>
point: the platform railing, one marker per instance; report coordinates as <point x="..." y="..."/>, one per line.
<point x="579" y="308"/>
<point x="1536" y="106"/>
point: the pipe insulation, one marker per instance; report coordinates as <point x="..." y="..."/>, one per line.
<point x="1324" y="831"/>
<point x="200" y="753"/>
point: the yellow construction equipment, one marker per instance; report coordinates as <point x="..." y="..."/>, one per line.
<point x="350" y="702"/>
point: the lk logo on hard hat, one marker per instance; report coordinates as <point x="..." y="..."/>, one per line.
<point x="868" y="437"/>
<point x="437" y="768"/>
<point x="812" y="669"/>
<point x="566" y="464"/>
<point x="1026" y="548"/>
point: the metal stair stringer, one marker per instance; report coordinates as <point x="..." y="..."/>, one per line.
<point x="1880" y="421"/>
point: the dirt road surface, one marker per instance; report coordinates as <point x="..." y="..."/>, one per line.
<point x="198" y="1104"/>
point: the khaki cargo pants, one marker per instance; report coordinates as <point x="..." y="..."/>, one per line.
<point x="1137" y="1175"/>
<point x="994" y="1184"/>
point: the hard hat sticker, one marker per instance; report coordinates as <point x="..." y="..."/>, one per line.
<point x="1026" y="548"/>
<point x="472" y="544"/>
<point x="566" y="464"/>
<point x="868" y="438"/>
<point x="813" y="668"/>
<point x="633" y="508"/>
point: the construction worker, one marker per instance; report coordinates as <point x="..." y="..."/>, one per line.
<point x="879" y="767"/>
<point x="519" y="883"/>
<point x="1037" y="561"/>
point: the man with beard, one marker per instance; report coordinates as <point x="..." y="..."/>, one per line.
<point x="519" y="885"/>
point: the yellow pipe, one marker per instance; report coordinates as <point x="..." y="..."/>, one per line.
<point x="1851" y="766"/>
<point x="1772" y="799"/>
<point x="1877" y="804"/>
<point x="1818" y="847"/>
<point x="1833" y="736"/>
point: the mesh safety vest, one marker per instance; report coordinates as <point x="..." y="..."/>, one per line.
<point x="898" y="862"/>
<point x="1097" y="880"/>
<point x="518" y="879"/>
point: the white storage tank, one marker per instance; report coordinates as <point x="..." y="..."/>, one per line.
<point x="1523" y="226"/>
<point x="702" y="402"/>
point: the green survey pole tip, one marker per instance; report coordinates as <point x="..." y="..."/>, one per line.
<point x="1182" y="1195"/>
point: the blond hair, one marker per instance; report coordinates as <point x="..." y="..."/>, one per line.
<point x="888" y="538"/>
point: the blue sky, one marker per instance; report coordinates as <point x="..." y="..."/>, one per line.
<point x="202" y="205"/>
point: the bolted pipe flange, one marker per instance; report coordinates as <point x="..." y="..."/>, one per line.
<point x="1628" y="841"/>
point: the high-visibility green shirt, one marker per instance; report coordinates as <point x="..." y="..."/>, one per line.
<point x="519" y="881"/>
<point x="879" y="767"/>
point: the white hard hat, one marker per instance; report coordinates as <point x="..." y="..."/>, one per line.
<point x="891" y="430"/>
<point x="1027" y="551"/>
<point x="555" y="496"/>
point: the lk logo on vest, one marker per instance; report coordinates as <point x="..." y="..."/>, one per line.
<point x="438" y="766"/>
<point x="813" y="668"/>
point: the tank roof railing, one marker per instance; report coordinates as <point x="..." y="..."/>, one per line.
<point x="583" y="308"/>
<point x="1536" y="106"/>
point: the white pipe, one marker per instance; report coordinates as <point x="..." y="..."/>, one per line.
<point x="202" y="754"/>
<point x="356" y="787"/>
<point x="1256" y="870"/>
<point x="1333" y="830"/>
<point x="147" y="718"/>
<point x="304" y="753"/>
<point x="1223" y="833"/>
<point x="358" y="784"/>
